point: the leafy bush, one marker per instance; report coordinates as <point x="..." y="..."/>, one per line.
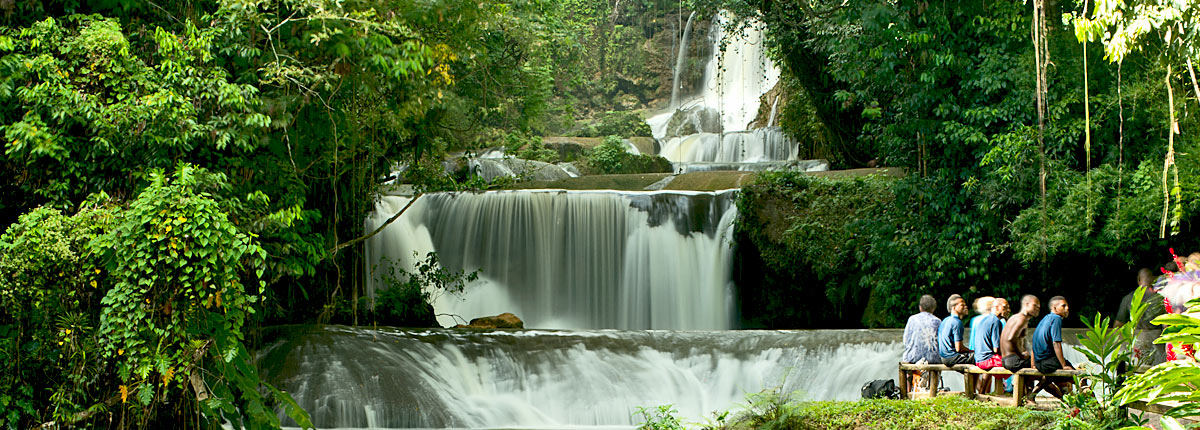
<point x="612" y="157"/>
<point x="407" y="298"/>
<point x="623" y="123"/>
<point x="661" y="417"/>
<point x="607" y="156"/>
<point x="1172" y="382"/>
<point x="50" y="288"/>
<point x="172" y="322"/>
<point x="1111" y="350"/>
<point x="133" y="308"/>
<point x="617" y="123"/>
<point x="534" y="149"/>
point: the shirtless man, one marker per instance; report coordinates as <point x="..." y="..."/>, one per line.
<point x="1012" y="339"/>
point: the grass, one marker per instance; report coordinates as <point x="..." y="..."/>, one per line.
<point x="946" y="412"/>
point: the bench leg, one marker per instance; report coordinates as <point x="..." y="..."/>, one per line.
<point x="934" y="382"/>
<point x="1018" y="389"/>
<point x="904" y="380"/>
<point x="969" y="385"/>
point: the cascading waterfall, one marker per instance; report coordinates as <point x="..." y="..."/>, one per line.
<point x="736" y="76"/>
<point x="681" y="60"/>
<point x="550" y="379"/>
<point x="567" y="259"/>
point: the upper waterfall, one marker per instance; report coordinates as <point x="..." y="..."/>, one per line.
<point x="715" y="124"/>
<point x="559" y="259"/>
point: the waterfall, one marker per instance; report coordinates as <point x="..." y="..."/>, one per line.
<point x="681" y="59"/>
<point x="567" y="259"/>
<point x="736" y="76"/>
<point x="774" y="111"/>
<point x="556" y="379"/>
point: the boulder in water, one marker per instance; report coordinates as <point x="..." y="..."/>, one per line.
<point x="693" y="120"/>
<point x="504" y="320"/>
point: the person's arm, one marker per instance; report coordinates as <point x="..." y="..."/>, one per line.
<point x="995" y="340"/>
<point x="1059" y="353"/>
<point x="958" y="346"/>
<point x="958" y="340"/>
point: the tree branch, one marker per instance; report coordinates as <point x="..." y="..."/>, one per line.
<point x="389" y="221"/>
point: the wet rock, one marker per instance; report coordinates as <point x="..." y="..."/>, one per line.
<point x="504" y="320"/>
<point x="694" y="119"/>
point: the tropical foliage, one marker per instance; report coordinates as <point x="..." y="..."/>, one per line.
<point x="177" y="173"/>
<point x="1174" y="382"/>
<point x="946" y="92"/>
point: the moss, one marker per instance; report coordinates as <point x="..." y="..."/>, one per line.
<point x="809" y="236"/>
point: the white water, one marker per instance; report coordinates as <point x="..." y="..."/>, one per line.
<point x="563" y="379"/>
<point x="571" y="260"/>
<point x="681" y="59"/>
<point x="735" y="80"/>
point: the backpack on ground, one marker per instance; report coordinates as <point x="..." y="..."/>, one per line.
<point x="880" y="389"/>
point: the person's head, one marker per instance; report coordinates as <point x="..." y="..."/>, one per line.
<point x="983" y="305"/>
<point x="1171" y="266"/>
<point x="1058" y="305"/>
<point x="956" y="305"/>
<point x="1030" y="305"/>
<point x="1145" y="277"/>
<point x="1000" y="308"/>
<point x="927" y="303"/>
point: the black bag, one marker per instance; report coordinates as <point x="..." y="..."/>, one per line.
<point x="880" y="388"/>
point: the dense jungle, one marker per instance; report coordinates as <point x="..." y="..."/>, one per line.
<point x="178" y="175"/>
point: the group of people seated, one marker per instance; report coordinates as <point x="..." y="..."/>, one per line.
<point x="997" y="338"/>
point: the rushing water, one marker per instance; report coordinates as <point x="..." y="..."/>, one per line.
<point x="572" y="260"/>
<point x="441" y="378"/>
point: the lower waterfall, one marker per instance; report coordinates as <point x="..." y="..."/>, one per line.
<point x="390" y="378"/>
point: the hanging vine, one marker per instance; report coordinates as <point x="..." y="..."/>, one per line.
<point x="1120" y="147"/>
<point x="1041" y="61"/>
<point x="1169" y="166"/>
<point x="1087" y="131"/>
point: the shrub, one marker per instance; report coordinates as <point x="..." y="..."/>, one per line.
<point x="608" y="156"/>
<point x="407" y="299"/>
<point x="50" y="289"/>
<point x="622" y="123"/>
<point x="534" y="149"/>
<point x="611" y="157"/>
<point x="139" y="309"/>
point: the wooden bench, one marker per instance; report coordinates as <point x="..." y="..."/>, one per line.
<point x="970" y="372"/>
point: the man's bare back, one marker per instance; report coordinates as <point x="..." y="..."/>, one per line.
<point x="1013" y="337"/>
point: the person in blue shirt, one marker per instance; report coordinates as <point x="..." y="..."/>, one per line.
<point x="983" y="307"/>
<point x="1047" y="347"/>
<point x="987" y="341"/>
<point x="950" y="334"/>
